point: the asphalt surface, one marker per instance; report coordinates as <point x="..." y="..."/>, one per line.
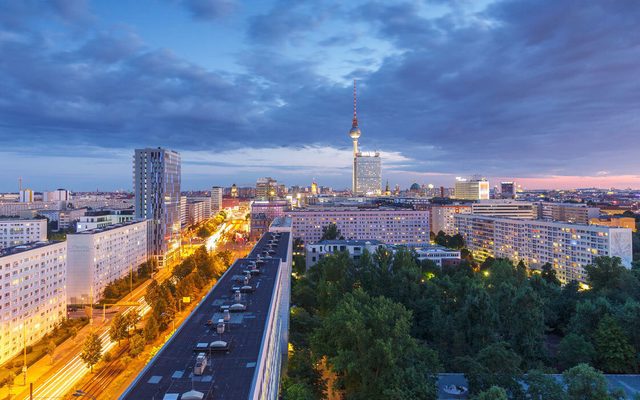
<point x="228" y="374"/>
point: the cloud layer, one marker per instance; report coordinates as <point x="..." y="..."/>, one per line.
<point x="532" y="90"/>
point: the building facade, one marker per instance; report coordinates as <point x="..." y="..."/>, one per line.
<point x="505" y="209"/>
<point x="442" y="217"/>
<point x="14" y="232"/>
<point x="368" y="174"/>
<point x="266" y="189"/>
<point x="577" y="213"/>
<point x="474" y="188"/>
<point x="157" y="199"/>
<point x="263" y="213"/>
<point x="508" y="190"/>
<point x="32" y="294"/>
<point x="389" y="226"/>
<point x="103" y="219"/>
<point x="439" y="255"/>
<point x="567" y="247"/>
<point x="314" y="252"/>
<point x="216" y="200"/>
<point x="197" y="211"/>
<point x="97" y="257"/>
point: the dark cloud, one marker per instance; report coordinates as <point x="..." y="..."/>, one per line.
<point x="209" y="9"/>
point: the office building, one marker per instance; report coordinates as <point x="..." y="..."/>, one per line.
<point x="367" y="170"/>
<point x="505" y="209"/>
<point x="14" y="232"/>
<point x="578" y="213"/>
<point x="441" y="217"/>
<point x="216" y="200"/>
<point x="508" y="190"/>
<point x="98" y="257"/>
<point x="245" y="360"/>
<point x="387" y="225"/>
<point x="266" y="189"/>
<point x="32" y="299"/>
<point x="184" y="216"/>
<point x="102" y="219"/>
<point x="568" y="247"/>
<point x="474" y="188"/>
<point x="157" y="198"/>
<point x="314" y="252"/>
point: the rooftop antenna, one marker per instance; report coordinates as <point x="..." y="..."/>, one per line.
<point x="19" y="184"/>
<point x="355" y="116"/>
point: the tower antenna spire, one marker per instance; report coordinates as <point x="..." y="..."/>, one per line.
<point x="355" y="100"/>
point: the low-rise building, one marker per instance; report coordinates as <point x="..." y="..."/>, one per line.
<point x="567" y="247"/>
<point x="100" y="256"/>
<point x="440" y="255"/>
<point x="355" y="248"/>
<point x="14" y="232"/>
<point x="102" y="219"/>
<point x="32" y="294"/>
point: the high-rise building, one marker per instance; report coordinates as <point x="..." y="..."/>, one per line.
<point x="14" y="232"/>
<point x="473" y="188"/>
<point x="32" y="287"/>
<point x="26" y="196"/>
<point x="216" y="200"/>
<point x="442" y="217"/>
<point x="508" y="190"/>
<point x="234" y="191"/>
<point x="266" y="189"/>
<point x="577" y="213"/>
<point x="567" y="247"/>
<point x="156" y="185"/>
<point x="57" y="195"/>
<point x="367" y="169"/>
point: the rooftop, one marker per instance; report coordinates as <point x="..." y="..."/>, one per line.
<point x="107" y="228"/>
<point x="228" y="374"/>
<point x="371" y="242"/>
<point x="9" y="251"/>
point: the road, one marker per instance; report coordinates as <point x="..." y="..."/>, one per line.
<point x="64" y="375"/>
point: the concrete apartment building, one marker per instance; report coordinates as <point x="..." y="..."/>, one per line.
<point x="568" y="247"/>
<point x="577" y="213"/>
<point x="14" y="232"/>
<point x="388" y="225"/>
<point x="197" y="211"/>
<point x="32" y="299"/>
<point x="216" y="199"/>
<point x="100" y="256"/>
<point x="442" y="217"/>
<point x="505" y="209"/>
<point x="103" y="219"/>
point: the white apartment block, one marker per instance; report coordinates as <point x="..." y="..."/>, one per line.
<point x="13" y="209"/>
<point x="355" y="248"/>
<point x="389" y="226"/>
<point x="32" y="299"/>
<point x="98" y="257"/>
<point x="577" y="213"/>
<point x="438" y="254"/>
<point x="505" y="209"/>
<point x="14" y="232"/>
<point x="90" y="222"/>
<point x="196" y="212"/>
<point x="442" y="217"/>
<point x="568" y="247"/>
<point x="474" y="188"/>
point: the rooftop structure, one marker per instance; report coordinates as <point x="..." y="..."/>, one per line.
<point x="246" y="365"/>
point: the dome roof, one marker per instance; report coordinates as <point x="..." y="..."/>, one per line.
<point x="415" y="186"/>
<point x="355" y="132"/>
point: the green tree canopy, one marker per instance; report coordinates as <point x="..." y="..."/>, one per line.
<point x="91" y="350"/>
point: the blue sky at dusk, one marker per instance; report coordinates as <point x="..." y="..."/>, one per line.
<point x="545" y="92"/>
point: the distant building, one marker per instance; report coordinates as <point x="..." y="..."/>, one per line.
<point x="508" y="190"/>
<point x="577" y="213"/>
<point x="184" y="216"/>
<point x="32" y="289"/>
<point x="14" y="232"/>
<point x="505" y="209"/>
<point x="442" y="217"/>
<point x="615" y="221"/>
<point x="57" y="195"/>
<point x="439" y="255"/>
<point x="26" y="196"/>
<point x="234" y="191"/>
<point x="474" y="188"/>
<point x="102" y="219"/>
<point x="355" y="248"/>
<point x="206" y="200"/>
<point x="216" y="200"/>
<point x="263" y="213"/>
<point x="196" y="212"/>
<point x="156" y="186"/>
<point x="388" y="225"/>
<point x="266" y="189"/>
<point x="97" y="257"/>
<point x="567" y="247"/>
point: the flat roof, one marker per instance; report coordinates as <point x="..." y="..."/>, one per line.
<point x="228" y="375"/>
<point x="9" y="251"/>
<point x="107" y="228"/>
<point x="372" y="242"/>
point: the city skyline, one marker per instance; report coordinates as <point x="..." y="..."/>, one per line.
<point x="509" y="90"/>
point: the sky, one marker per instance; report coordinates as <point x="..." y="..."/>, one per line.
<point x="544" y="92"/>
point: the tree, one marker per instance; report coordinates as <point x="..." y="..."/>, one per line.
<point x="585" y="383"/>
<point x="132" y="319"/>
<point x="495" y="365"/>
<point x="119" y="328"/>
<point x="296" y="391"/>
<point x="91" y="350"/>
<point x="615" y="354"/>
<point x="331" y="232"/>
<point x="543" y="387"/>
<point x="606" y="273"/>
<point x="367" y="344"/>
<point x="151" y="329"/>
<point x="493" y="393"/>
<point x="50" y="350"/>
<point x="136" y="345"/>
<point x="549" y="274"/>
<point x="574" y="349"/>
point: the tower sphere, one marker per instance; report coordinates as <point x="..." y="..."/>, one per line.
<point x="355" y="132"/>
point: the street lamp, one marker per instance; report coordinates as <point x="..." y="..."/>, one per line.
<point x="81" y="393"/>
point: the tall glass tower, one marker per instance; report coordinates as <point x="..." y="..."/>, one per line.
<point x="156" y="183"/>
<point x="366" y="179"/>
